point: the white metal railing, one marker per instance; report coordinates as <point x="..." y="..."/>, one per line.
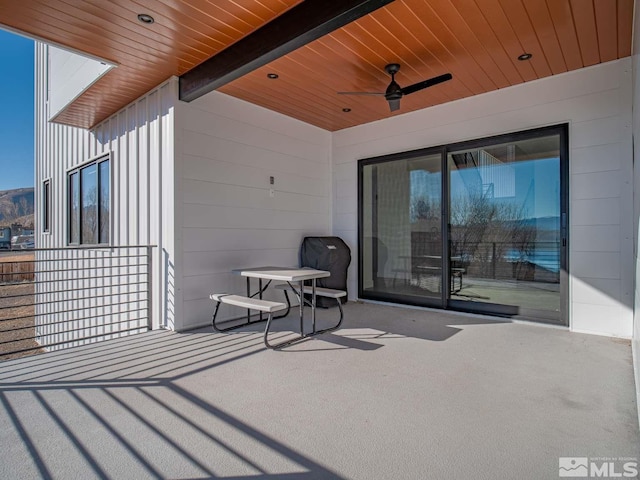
<point x="55" y="298"/>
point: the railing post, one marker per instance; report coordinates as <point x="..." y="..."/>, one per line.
<point x="149" y="287"/>
<point x="493" y="258"/>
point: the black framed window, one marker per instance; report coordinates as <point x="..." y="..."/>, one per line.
<point x="46" y="206"/>
<point x="89" y="203"/>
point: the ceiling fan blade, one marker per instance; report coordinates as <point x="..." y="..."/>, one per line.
<point x="394" y="104"/>
<point x="360" y="93"/>
<point x="426" y="83"/>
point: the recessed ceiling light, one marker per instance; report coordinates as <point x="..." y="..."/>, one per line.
<point x="272" y="76"/>
<point x="145" y="18"/>
<point x="525" y="56"/>
<point x="346" y="110"/>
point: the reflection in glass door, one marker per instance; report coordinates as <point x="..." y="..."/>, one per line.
<point x="505" y="227"/>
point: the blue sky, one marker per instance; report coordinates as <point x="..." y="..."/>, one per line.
<point x="535" y="185"/>
<point x="16" y="121"/>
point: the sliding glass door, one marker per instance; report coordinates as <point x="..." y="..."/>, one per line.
<point x="488" y="236"/>
<point x="402" y="241"/>
<point x="505" y="233"/>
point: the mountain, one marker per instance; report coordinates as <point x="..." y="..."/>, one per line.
<point x="16" y="206"/>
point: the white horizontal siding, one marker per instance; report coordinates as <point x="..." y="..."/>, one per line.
<point x="226" y="151"/>
<point x="596" y="102"/>
<point x="139" y="141"/>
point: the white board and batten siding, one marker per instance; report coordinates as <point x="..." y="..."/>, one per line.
<point x="139" y="142"/>
<point x="596" y="103"/>
<point x="229" y="214"/>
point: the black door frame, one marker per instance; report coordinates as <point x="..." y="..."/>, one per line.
<point x="445" y="302"/>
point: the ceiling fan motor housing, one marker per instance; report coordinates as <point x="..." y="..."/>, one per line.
<point x="394" y="92"/>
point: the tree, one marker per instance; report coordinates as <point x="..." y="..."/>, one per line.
<point x="487" y="231"/>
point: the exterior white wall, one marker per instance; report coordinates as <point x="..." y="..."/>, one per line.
<point x="596" y="102"/>
<point x="139" y="139"/>
<point x="226" y="150"/>
<point x="636" y="200"/>
<point x="70" y="74"/>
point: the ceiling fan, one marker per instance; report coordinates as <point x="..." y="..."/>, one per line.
<point x="394" y="92"/>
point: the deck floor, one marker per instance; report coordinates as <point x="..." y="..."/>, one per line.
<point x="397" y="393"/>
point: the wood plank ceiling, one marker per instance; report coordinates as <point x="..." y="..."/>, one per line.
<point x="478" y="41"/>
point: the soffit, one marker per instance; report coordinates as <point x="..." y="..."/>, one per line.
<point x="478" y="41"/>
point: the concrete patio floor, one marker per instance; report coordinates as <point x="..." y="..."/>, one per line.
<point x="397" y="393"/>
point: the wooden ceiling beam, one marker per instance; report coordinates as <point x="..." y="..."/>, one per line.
<point x="296" y="27"/>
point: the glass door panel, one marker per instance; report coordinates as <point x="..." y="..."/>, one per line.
<point x="505" y="230"/>
<point x="401" y="230"/>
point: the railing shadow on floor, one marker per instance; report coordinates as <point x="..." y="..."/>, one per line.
<point x="122" y="409"/>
